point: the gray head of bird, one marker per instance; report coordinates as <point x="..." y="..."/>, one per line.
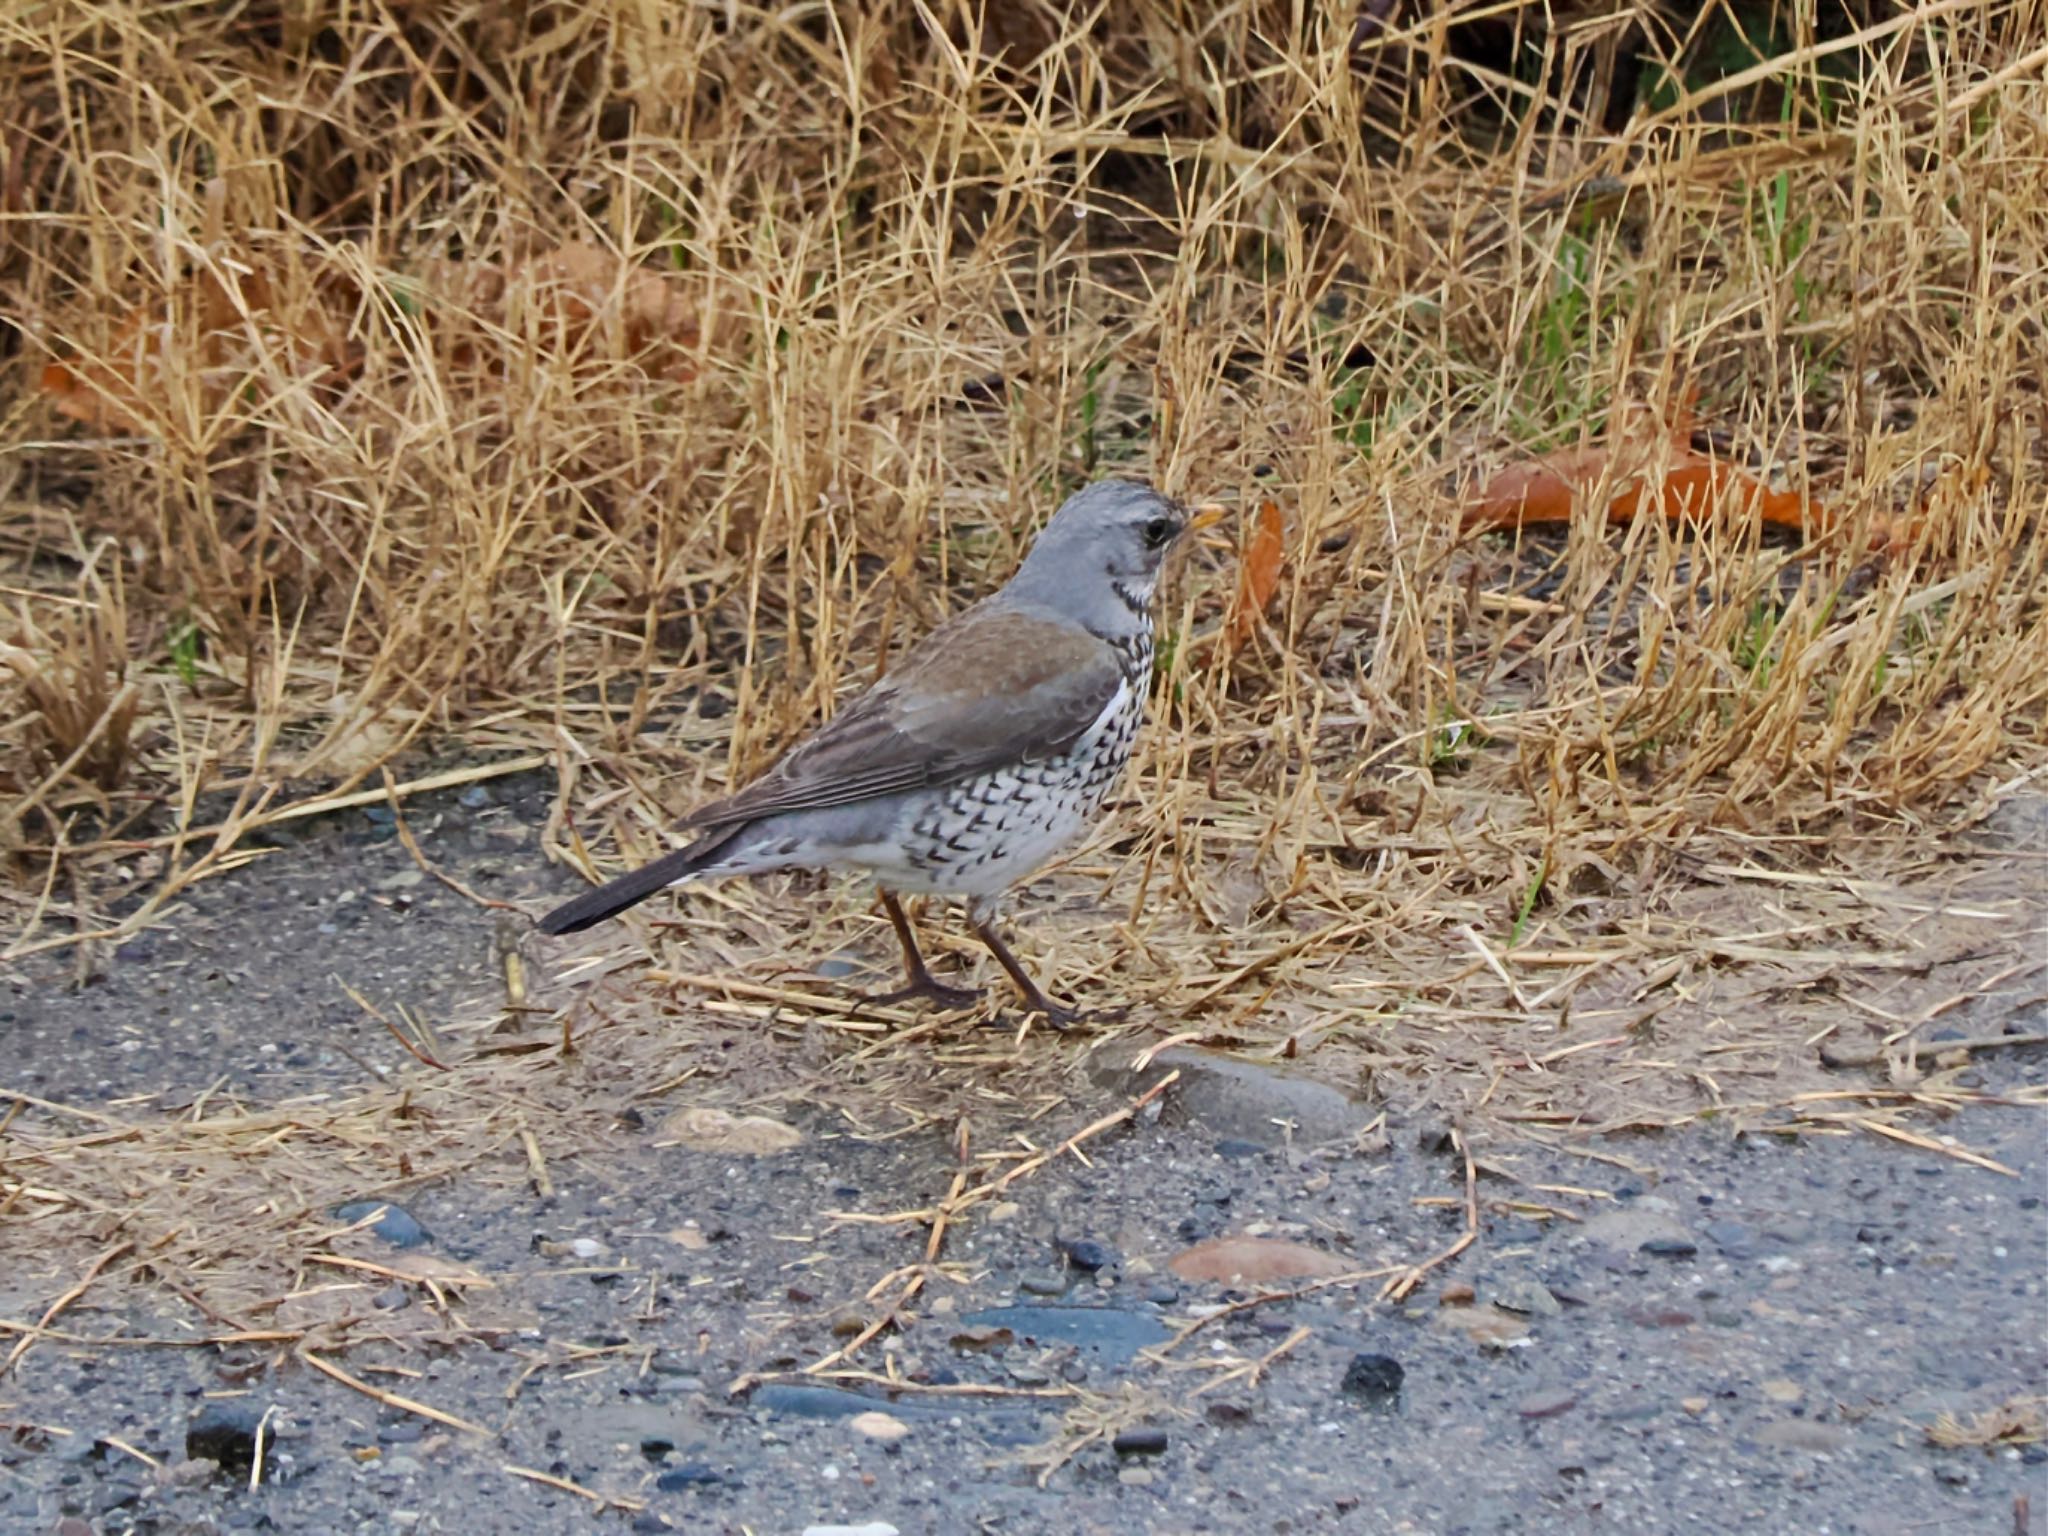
<point x="1099" y="557"/>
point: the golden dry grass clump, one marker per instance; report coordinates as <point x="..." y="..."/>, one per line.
<point x="527" y="375"/>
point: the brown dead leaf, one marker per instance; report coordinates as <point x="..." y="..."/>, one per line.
<point x="1692" y="484"/>
<point x="226" y="333"/>
<point x="704" y="1129"/>
<point x="1258" y="573"/>
<point x="582" y="288"/>
<point x="1255" y="1261"/>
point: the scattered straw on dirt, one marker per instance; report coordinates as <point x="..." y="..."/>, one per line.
<point x="611" y="389"/>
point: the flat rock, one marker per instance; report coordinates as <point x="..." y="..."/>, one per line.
<point x="1546" y="1405"/>
<point x="705" y="1129"/>
<point x="1255" y="1261"/>
<point x="1804" y="1435"/>
<point x="1244" y="1101"/>
<point x="1108" y="1334"/>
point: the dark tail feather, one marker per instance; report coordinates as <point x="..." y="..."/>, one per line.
<point x="631" y="888"/>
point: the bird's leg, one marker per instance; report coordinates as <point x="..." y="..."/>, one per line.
<point x="1058" y="1015"/>
<point x="921" y="982"/>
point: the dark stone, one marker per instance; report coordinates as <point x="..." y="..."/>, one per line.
<point x="1142" y="1441"/>
<point x="648" y="1523"/>
<point x="1374" y="1378"/>
<point x="1086" y="1254"/>
<point x="1733" y="1239"/>
<point x="1237" y="1146"/>
<point x="692" y="1474"/>
<point x="115" y="1494"/>
<point x="1042" y="1283"/>
<point x="654" y="1447"/>
<point x="396" y="1226"/>
<point x="1669" y="1248"/>
<point x="1107" y="1335"/>
<point x="224" y="1432"/>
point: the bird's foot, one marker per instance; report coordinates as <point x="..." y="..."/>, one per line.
<point x="931" y="990"/>
<point x="1058" y="1016"/>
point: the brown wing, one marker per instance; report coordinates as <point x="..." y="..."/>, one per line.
<point x="994" y="686"/>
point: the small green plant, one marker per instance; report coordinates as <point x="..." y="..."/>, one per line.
<point x="1452" y="740"/>
<point x="184" y="650"/>
<point x="1559" y="394"/>
<point x="1530" y="897"/>
<point x="1753" y="649"/>
<point x="1091" y="412"/>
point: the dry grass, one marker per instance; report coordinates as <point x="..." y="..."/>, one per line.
<point x="622" y="384"/>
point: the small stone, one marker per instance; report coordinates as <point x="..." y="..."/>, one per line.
<point x="689" y="1474"/>
<point x="872" y="1528"/>
<point x="193" y="1472"/>
<point x="1779" y="1390"/>
<point x="585" y="1248"/>
<point x="1255" y="1261"/>
<point x="1025" y="1374"/>
<point x="1161" y="1294"/>
<point x="648" y="1523"/>
<point x="1456" y="1294"/>
<point x="847" y="1324"/>
<point x="1546" y="1405"/>
<point x="1733" y="1239"/>
<point x="1693" y="1405"/>
<point x="1039" y="1282"/>
<point x="1375" y="1378"/>
<point x="1529" y="1297"/>
<point x="1951" y="1474"/>
<point x="1653" y="1316"/>
<point x="876" y="1425"/>
<point x="1237" y="1146"/>
<point x="654" y="1447"/>
<point x="474" y="798"/>
<point x="1229" y="1410"/>
<point x="1669" y="1248"/>
<point x="1088" y="1255"/>
<point x="704" y="1128"/>
<point x="1136" y="1477"/>
<point x="396" y="1226"/>
<point x="225" y="1434"/>
<point x="1141" y="1441"/>
<point x="395" y="1297"/>
<point x="1804" y="1435"/>
<point x="1004" y="1210"/>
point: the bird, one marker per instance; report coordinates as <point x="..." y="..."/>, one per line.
<point x="989" y="748"/>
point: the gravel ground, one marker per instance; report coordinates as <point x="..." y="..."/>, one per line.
<point x="1723" y="1330"/>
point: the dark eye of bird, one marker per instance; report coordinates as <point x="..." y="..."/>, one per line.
<point x="1160" y="531"/>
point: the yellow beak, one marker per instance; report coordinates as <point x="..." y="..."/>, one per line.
<point x="1205" y="517"/>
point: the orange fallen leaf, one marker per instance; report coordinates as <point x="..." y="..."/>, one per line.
<point x="235" y="330"/>
<point x="1545" y="490"/>
<point x="587" y="287"/>
<point x="1258" y="574"/>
